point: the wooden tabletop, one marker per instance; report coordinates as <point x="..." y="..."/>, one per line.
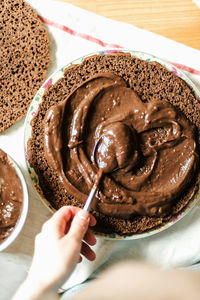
<point x="176" y="19"/>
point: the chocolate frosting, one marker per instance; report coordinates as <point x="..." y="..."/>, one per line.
<point x="11" y="196"/>
<point x="146" y="152"/>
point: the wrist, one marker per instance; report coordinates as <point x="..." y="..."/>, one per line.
<point x="35" y="290"/>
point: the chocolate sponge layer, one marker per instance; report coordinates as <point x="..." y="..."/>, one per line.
<point x="24" y="58"/>
<point x="150" y="81"/>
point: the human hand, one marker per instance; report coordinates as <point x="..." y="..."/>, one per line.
<point x="59" y="246"/>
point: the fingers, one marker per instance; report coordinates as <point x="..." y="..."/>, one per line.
<point x="62" y="222"/>
<point x="87" y="252"/>
<point x="75" y="210"/>
<point x="92" y="220"/>
<point x="56" y="225"/>
<point x="80" y="259"/>
<point x="89" y="238"/>
<point x="79" y="225"/>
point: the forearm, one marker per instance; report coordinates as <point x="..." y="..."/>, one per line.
<point x="33" y="291"/>
<point x="60" y="245"/>
<point x="130" y="280"/>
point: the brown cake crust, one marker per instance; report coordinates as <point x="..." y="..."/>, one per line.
<point x="150" y="81"/>
<point x="24" y="59"/>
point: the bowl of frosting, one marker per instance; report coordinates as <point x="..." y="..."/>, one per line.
<point x="13" y="200"/>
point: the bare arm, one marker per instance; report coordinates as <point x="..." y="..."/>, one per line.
<point x="58" y="248"/>
<point x="138" y="281"/>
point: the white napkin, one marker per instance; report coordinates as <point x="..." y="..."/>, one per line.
<point x="197" y="2"/>
<point x="73" y="33"/>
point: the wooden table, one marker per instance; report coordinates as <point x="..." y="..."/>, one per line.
<point x="176" y="19"/>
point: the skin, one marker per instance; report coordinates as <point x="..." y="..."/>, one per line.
<point x="60" y="246"/>
<point x="138" y="281"/>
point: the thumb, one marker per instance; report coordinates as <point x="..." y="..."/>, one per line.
<point x="79" y="225"/>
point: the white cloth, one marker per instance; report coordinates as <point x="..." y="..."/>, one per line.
<point x="73" y="33"/>
<point x="197" y="2"/>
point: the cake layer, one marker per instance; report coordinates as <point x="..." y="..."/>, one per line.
<point x="67" y="180"/>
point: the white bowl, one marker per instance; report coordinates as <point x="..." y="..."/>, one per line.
<point x="24" y="211"/>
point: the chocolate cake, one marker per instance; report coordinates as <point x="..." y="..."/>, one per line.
<point x="24" y="59"/>
<point x="11" y="197"/>
<point x="127" y="125"/>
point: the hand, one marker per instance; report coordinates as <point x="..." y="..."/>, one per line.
<point x="59" y="246"/>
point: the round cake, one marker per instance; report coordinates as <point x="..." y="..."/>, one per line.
<point x="24" y="59"/>
<point x="126" y="125"/>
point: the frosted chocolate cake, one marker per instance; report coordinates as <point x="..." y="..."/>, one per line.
<point x="11" y="197"/>
<point x="24" y="58"/>
<point x="130" y="125"/>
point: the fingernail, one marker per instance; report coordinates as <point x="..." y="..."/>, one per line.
<point x="82" y="214"/>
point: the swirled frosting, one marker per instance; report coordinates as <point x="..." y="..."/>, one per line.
<point x="146" y="152"/>
<point x="11" y="196"/>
